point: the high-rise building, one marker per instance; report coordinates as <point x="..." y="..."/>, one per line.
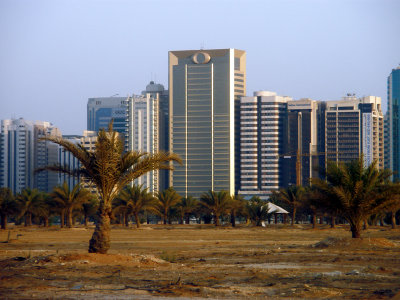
<point x="66" y="159"/>
<point x="393" y="123"/>
<point x="101" y="110"/>
<point x="205" y="87"/>
<point x="262" y="135"/>
<point x="354" y="127"/>
<point x="143" y="133"/>
<point x="301" y="139"/>
<point x="157" y="90"/>
<point x="21" y="152"/>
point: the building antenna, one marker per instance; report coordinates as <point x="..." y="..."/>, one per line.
<point x="202" y="46"/>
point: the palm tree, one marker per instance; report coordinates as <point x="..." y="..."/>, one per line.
<point x="31" y="202"/>
<point x="355" y="191"/>
<point x="166" y="200"/>
<point x="110" y="169"/>
<point x="137" y="199"/>
<point x="237" y="206"/>
<point x="89" y="208"/>
<point x="257" y="210"/>
<point x="216" y="203"/>
<point x="70" y="199"/>
<point x="8" y="205"/>
<point x="293" y="196"/>
<point x="186" y="207"/>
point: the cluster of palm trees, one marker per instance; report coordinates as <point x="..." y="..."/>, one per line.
<point x="352" y="191"/>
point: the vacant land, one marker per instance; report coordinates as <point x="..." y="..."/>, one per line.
<point x="202" y="262"/>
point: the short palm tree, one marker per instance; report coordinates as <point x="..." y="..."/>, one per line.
<point x="237" y="206"/>
<point x="355" y="191"/>
<point x="70" y="199"/>
<point x="110" y="169"/>
<point x="217" y="203"/>
<point x="292" y="195"/>
<point x="8" y="205"/>
<point x="187" y="206"/>
<point x="31" y="202"/>
<point x="89" y="208"/>
<point x="167" y="199"/>
<point x="137" y="199"/>
<point x="257" y="210"/>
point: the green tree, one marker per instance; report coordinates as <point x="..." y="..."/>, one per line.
<point x="257" y="210"/>
<point x="292" y="195"/>
<point x="109" y="169"/>
<point x="31" y="202"/>
<point x="187" y="206"/>
<point x="167" y="199"/>
<point x="8" y="205"/>
<point x="89" y="208"/>
<point x="356" y="191"/>
<point x="237" y="206"/>
<point x="137" y="199"/>
<point x="70" y="199"/>
<point x="217" y="203"/>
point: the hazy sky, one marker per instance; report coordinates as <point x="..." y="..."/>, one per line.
<point x="54" y="55"/>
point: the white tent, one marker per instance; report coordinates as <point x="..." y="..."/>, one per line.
<point x="275" y="209"/>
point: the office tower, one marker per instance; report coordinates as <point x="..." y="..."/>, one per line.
<point x="204" y="88"/>
<point x="157" y="90"/>
<point x="89" y="139"/>
<point x="45" y="154"/>
<point x="66" y="159"/>
<point x="262" y="132"/>
<point x="354" y="126"/>
<point x="21" y="152"/>
<point x="143" y="133"/>
<point x="301" y="139"/>
<point x="393" y="122"/>
<point x="101" y="110"/>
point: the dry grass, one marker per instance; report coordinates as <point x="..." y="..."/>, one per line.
<point x="200" y="261"/>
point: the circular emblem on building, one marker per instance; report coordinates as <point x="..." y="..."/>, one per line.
<point x="201" y="58"/>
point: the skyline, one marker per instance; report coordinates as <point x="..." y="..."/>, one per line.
<point x="57" y="54"/>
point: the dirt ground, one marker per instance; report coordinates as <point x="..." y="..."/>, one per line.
<point x="200" y="261"/>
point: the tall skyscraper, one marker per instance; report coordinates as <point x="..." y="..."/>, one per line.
<point x="262" y="133"/>
<point x="393" y="122"/>
<point x="101" y="110"/>
<point x="143" y="133"/>
<point x="205" y="87"/>
<point x="21" y="152"/>
<point x="354" y="126"/>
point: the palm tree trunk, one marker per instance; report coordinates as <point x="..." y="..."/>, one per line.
<point x="3" y="221"/>
<point x="321" y="220"/>
<point x="126" y="218"/>
<point x="29" y="219"/>
<point x="165" y="218"/>
<point x="393" y="219"/>
<point x="62" y="217"/>
<point x="216" y="220"/>
<point x="366" y="225"/>
<point x="46" y="221"/>
<point x="69" y="217"/>
<point x="86" y="220"/>
<point x="276" y="218"/>
<point x="314" y="220"/>
<point x="333" y="222"/>
<point x="100" y="241"/>
<point x="293" y="216"/>
<point x="188" y="219"/>
<point x="233" y="218"/>
<point x="355" y="230"/>
<point x="137" y="220"/>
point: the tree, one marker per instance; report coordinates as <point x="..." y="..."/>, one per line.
<point x="136" y="199"/>
<point x="89" y="208"/>
<point x="186" y="207"/>
<point x="257" y="210"/>
<point x="110" y="169"/>
<point x="237" y="206"/>
<point x="31" y="202"/>
<point x="166" y="200"/>
<point x="217" y="203"/>
<point x="70" y="199"/>
<point x="8" y="205"/>
<point x="355" y="191"/>
<point x="292" y="195"/>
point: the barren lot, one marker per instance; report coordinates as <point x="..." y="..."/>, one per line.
<point x="200" y="261"/>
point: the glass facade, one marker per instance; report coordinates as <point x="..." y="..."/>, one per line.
<point x="202" y="113"/>
<point x="394" y="122"/>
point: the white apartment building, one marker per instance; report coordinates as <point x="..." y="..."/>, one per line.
<point x="262" y="129"/>
<point x="143" y="133"/>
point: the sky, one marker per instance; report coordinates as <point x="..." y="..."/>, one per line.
<point x="55" y="54"/>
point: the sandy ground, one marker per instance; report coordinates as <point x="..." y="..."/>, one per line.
<point x="199" y="261"/>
